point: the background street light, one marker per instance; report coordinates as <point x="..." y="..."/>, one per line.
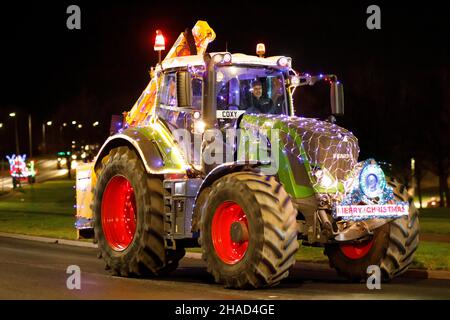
<point x="13" y="115"/>
<point x="30" y="132"/>
<point x="96" y="123"/>
<point x="44" y="144"/>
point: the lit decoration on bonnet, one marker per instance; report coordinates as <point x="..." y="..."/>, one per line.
<point x="329" y="150"/>
<point x="370" y="187"/>
<point x="370" y="196"/>
<point x="358" y="190"/>
<point x="372" y="181"/>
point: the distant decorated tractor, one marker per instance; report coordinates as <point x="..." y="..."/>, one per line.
<point x="20" y="170"/>
<point x="212" y="155"/>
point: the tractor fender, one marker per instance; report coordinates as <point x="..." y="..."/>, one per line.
<point x="213" y="175"/>
<point x="145" y="148"/>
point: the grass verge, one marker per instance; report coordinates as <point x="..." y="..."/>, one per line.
<point x="44" y="209"/>
<point x="435" y="220"/>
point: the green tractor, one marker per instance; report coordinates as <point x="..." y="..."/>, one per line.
<point x="212" y="156"/>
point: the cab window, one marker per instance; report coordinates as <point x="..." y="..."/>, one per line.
<point x="168" y="95"/>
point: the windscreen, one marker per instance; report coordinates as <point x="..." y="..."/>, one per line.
<point x="250" y="90"/>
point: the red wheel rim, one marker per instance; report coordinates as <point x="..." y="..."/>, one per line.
<point x="227" y="250"/>
<point x="356" y="251"/>
<point x="119" y="213"/>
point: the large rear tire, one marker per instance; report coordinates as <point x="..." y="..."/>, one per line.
<point x="248" y="231"/>
<point x="128" y="217"/>
<point x="392" y="247"/>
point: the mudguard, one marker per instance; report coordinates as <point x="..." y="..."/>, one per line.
<point x="153" y="144"/>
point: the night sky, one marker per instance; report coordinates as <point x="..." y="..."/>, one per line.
<point x="87" y="75"/>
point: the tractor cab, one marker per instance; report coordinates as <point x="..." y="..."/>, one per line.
<point x="240" y="84"/>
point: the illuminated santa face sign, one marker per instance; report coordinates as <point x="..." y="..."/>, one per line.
<point x="372" y="181"/>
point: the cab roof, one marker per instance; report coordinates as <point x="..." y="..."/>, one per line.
<point x="237" y="58"/>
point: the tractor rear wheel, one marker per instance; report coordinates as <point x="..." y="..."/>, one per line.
<point x="392" y="247"/>
<point x="128" y="217"/>
<point x="248" y="231"/>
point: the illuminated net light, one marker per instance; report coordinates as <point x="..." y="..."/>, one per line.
<point x="331" y="151"/>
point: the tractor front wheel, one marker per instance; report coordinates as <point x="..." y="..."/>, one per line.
<point x="392" y="247"/>
<point x="248" y="231"/>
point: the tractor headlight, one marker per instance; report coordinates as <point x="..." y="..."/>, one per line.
<point x="199" y="127"/>
<point x="180" y="188"/>
<point x="324" y="178"/>
<point x="284" y="62"/>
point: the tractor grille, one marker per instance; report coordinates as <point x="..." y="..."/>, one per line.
<point x="327" y="145"/>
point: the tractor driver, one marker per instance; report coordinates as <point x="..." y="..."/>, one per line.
<point x="258" y="103"/>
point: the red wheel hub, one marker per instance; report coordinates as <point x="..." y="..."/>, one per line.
<point x="229" y="215"/>
<point x="119" y="213"/>
<point x="356" y="251"/>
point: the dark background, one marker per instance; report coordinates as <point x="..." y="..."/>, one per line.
<point x="396" y="79"/>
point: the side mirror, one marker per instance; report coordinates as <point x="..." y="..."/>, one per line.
<point x="184" y="89"/>
<point x="337" y="98"/>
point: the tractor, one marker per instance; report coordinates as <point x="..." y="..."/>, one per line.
<point x="212" y="156"/>
<point x="20" y="170"/>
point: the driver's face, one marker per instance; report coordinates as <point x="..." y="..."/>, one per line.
<point x="257" y="91"/>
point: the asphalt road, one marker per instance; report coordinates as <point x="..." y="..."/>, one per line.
<point x="36" y="270"/>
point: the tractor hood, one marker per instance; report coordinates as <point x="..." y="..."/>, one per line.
<point x="327" y="152"/>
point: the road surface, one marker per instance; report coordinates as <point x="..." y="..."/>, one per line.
<point x="36" y="270"/>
